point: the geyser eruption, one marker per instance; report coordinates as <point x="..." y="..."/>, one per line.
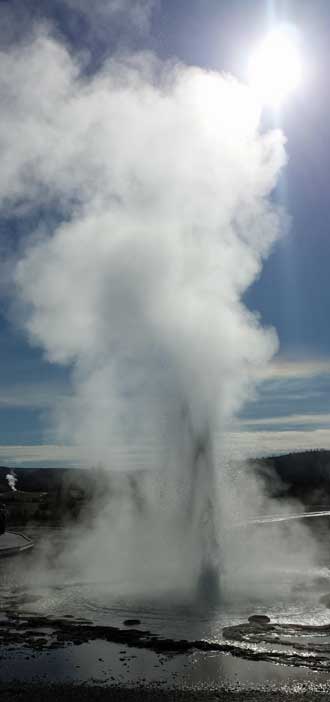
<point x="202" y="504"/>
<point x="156" y="179"/>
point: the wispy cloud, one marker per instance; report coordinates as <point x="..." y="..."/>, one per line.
<point x="286" y="369"/>
<point x="303" y="419"/>
<point x="39" y="454"/>
<point x="291" y="395"/>
<point x="36" y="395"/>
<point x="253" y="444"/>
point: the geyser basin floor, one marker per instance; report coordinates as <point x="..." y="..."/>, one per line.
<point x="105" y="663"/>
<point x="56" y="630"/>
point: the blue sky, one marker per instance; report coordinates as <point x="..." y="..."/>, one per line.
<point x="291" y="409"/>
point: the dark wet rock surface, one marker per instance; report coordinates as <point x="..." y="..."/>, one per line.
<point x="256" y="640"/>
<point x="39" y="632"/>
<point x="260" y="619"/>
<point x="132" y="622"/>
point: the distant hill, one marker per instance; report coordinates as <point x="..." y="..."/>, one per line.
<point x="62" y="495"/>
<point x="50" y="495"/>
<point x="305" y="467"/>
<point x="44" y="479"/>
<point x="302" y="475"/>
<point x="71" y="491"/>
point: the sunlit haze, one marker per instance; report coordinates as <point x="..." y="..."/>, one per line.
<point x="275" y="67"/>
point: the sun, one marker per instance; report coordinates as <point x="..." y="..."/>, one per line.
<point x="275" y="68"/>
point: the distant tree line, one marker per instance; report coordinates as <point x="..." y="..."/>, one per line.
<point x="303" y="475"/>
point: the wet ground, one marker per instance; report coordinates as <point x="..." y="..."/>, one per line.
<point x="75" y="634"/>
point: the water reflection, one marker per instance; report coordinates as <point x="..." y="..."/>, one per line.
<point x="26" y="588"/>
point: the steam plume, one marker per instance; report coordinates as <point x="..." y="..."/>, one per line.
<point x="12" y="480"/>
<point x="161" y="182"/>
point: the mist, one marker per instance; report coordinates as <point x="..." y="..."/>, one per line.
<point x="159" y="179"/>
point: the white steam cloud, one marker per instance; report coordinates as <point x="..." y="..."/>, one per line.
<point x="12" y="480"/>
<point x="162" y="179"/>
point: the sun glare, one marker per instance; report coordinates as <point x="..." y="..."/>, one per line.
<point x="275" y="68"/>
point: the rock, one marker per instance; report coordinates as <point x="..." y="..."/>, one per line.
<point x="132" y="622"/>
<point x="260" y="619"/>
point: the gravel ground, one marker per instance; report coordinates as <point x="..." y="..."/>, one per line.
<point x="70" y="693"/>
